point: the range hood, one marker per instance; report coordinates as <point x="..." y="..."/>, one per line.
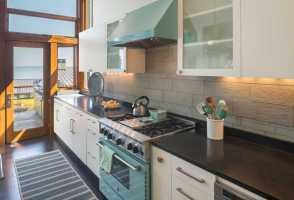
<point x="150" y="26"/>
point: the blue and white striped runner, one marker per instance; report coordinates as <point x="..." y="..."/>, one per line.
<point x="50" y="176"/>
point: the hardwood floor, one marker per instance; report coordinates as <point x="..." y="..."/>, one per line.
<point x="8" y="186"/>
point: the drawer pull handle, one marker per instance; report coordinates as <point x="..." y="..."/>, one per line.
<point x="199" y="180"/>
<point x="180" y="190"/>
<point x="160" y="160"/>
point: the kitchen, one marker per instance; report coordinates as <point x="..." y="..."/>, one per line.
<point x="157" y="75"/>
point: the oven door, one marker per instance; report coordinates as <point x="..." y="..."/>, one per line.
<point x="129" y="176"/>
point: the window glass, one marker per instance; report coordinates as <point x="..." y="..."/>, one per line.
<point x="65" y="67"/>
<point x="38" y="25"/>
<point x="58" y="7"/>
<point x="28" y="83"/>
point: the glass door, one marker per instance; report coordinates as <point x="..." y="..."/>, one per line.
<point x="27" y="95"/>
<point x="207" y="36"/>
<point x="116" y="56"/>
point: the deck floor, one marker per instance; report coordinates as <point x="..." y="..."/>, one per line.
<point x="27" y="120"/>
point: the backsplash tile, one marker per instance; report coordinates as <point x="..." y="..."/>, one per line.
<point x="262" y="106"/>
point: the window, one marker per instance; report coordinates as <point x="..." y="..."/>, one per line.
<point x="43" y="17"/>
<point x="39" y="21"/>
<point x="38" y="25"/>
<point x="66" y="67"/>
<point x="57" y="7"/>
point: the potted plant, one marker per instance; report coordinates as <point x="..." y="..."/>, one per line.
<point x="215" y="114"/>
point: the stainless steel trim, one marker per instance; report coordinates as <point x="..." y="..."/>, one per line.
<point x="220" y="187"/>
<point x="134" y="168"/>
<point x="180" y="190"/>
<point x="1" y="168"/>
<point x="199" y="180"/>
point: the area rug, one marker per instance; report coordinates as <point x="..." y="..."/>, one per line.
<point x="50" y="176"/>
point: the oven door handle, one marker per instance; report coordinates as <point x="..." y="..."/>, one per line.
<point x="132" y="167"/>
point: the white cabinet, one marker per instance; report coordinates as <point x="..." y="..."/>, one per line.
<point x="93" y="49"/>
<point x="122" y="59"/>
<point x="175" y="179"/>
<point x="93" y="42"/>
<point x="57" y="118"/>
<point x="92" y="148"/>
<point x="209" y="37"/>
<point x="62" y="122"/>
<point x="245" y="38"/>
<point x="267" y="38"/>
<point x="79" y="131"/>
<point x="161" y="171"/>
<point x="190" y="181"/>
<point x="78" y="134"/>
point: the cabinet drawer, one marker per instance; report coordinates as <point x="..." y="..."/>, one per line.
<point x="93" y="124"/>
<point x="92" y="139"/>
<point x="196" y="177"/>
<point x="161" y="174"/>
<point x="183" y="191"/>
<point x="93" y="161"/>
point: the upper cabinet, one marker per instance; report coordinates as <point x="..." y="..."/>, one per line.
<point x="209" y="37"/>
<point x="245" y="38"/>
<point x="92" y="49"/>
<point x="123" y="59"/>
<point x="267" y="38"/>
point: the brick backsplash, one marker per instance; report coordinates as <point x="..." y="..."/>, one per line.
<point x="262" y="106"/>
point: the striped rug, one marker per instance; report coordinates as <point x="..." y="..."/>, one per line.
<point x="50" y="176"/>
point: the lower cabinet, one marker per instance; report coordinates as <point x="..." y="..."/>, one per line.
<point x="161" y="170"/>
<point x="92" y="148"/>
<point x="79" y="131"/>
<point x="176" y="179"/>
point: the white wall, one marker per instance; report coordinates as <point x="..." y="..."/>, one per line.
<point x="93" y="47"/>
<point x="110" y="10"/>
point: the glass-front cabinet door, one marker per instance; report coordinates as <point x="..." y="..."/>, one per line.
<point x="116" y="56"/>
<point x="209" y="37"/>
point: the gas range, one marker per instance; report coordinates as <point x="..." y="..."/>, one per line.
<point x="134" y="134"/>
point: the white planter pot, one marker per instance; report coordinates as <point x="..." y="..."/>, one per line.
<point x="215" y="129"/>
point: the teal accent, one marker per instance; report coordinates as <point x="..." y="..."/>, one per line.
<point x="106" y="159"/>
<point x="158" y="19"/>
<point x="114" y="59"/>
<point x="138" y="183"/>
<point x="168" y="25"/>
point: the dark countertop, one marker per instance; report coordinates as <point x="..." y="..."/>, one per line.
<point x="90" y="105"/>
<point x="262" y="170"/>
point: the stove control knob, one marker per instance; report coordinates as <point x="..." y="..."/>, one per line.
<point x="118" y="141"/>
<point x="109" y="136"/>
<point x="130" y="146"/>
<point x="102" y="131"/>
<point x="105" y="132"/>
<point x="136" y="149"/>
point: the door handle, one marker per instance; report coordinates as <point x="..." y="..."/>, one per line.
<point x="199" y="180"/>
<point x="134" y="168"/>
<point x="180" y="190"/>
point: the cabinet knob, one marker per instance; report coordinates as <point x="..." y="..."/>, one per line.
<point x="160" y="160"/>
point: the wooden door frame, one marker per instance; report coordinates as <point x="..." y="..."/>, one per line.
<point x="2" y="69"/>
<point x="11" y="135"/>
<point x="55" y="41"/>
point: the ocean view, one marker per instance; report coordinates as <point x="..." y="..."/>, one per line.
<point x="28" y="72"/>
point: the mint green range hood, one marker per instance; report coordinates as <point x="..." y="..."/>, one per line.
<point x="150" y="26"/>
